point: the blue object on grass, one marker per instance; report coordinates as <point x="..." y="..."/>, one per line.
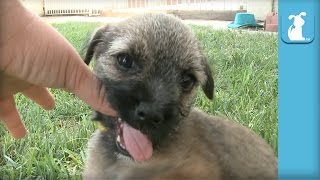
<point x="244" y="19"/>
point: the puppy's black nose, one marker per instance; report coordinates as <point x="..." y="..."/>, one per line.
<point x="147" y="114"/>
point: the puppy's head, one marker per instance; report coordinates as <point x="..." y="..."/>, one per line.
<point x="151" y="66"/>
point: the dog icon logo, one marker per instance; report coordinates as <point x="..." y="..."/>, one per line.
<point x="295" y="30"/>
<point x="297" y="26"/>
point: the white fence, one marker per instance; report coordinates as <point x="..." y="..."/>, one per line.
<point x="62" y="7"/>
<point x="94" y="7"/>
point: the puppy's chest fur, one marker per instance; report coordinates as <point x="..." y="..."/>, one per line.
<point x="204" y="147"/>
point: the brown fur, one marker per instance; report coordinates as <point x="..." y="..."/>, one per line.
<point x="196" y="145"/>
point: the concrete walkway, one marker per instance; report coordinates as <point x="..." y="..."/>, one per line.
<point x="215" y="24"/>
<point x="62" y="19"/>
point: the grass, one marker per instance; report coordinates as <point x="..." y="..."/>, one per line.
<point x="245" y="68"/>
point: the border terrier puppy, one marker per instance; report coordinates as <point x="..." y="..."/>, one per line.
<point x="151" y="66"/>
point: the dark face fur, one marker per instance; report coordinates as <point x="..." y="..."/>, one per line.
<point x="150" y="66"/>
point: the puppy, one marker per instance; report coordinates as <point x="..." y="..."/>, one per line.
<point x="151" y="66"/>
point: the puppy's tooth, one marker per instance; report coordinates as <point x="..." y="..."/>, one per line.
<point x="122" y="146"/>
<point x="118" y="139"/>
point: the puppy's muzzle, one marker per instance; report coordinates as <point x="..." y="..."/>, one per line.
<point x="148" y="115"/>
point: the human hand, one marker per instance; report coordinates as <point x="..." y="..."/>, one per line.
<point x="34" y="56"/>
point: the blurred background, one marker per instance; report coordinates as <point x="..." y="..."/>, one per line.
<point x="185" y="9"/>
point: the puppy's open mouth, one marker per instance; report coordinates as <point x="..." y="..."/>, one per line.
<point x="133" y="142"/>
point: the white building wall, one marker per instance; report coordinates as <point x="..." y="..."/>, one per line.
<point x="35" y="6"/>
<point x="261" y="8"/>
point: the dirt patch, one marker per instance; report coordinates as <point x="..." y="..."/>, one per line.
<point x="109" y="13"/>
<point x="206" y="15"/>
<point x="221" y="15"/>
<point x="125" y="14"/>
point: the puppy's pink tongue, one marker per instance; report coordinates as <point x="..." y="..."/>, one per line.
<point x="137" y="144"/>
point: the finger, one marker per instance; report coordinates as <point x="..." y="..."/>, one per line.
<point x="41" y="96"/>
<point x="10" y="117"/>
<point x="94" y="93"/>
<point x="85" y="85"/>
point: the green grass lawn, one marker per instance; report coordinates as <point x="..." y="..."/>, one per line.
<point x="246" y="78"/>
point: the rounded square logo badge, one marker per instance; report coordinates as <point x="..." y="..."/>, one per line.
<point x="297" y="27"/>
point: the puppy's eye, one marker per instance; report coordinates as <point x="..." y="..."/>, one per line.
<point x="125" y="61"/>
<point x="187" y="82"/>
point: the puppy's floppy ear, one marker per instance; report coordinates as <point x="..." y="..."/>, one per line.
<point x="208" y="85"/>
<point x="98" y="38"/>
